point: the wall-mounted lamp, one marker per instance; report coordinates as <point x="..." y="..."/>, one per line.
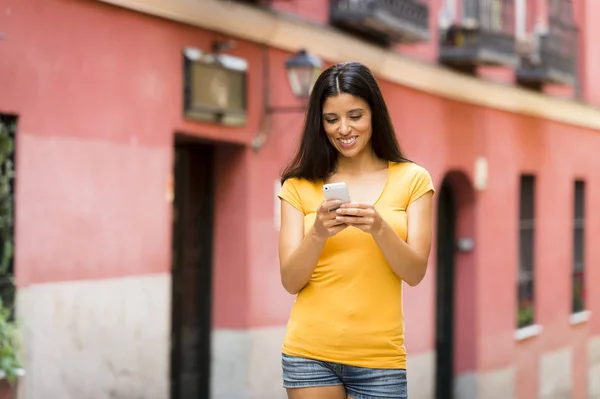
<point x="303" y="69"/>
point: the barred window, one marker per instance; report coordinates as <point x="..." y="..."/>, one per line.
<point x="525" y="303"/>
<point x="579" y="248"/>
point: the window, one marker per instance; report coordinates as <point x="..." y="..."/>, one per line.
<point x="8" y="128"/>
<point x="525" y="303"/>
<point x="579" y="248"/>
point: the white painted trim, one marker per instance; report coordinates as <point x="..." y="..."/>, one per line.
<point x="290" y="33"/>
<point x="521" y="19"/>
<point x="528" y="332"/>
<point x="447" y="14"/>
<point x="18" y="372"/>
<point x="580" y="317"/>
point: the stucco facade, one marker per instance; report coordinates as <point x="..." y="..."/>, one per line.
<point x="97" y="89"/>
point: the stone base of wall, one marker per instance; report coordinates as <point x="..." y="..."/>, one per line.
<point x="594" y="368"/>
<point x="247" y="364"/>
<point x="111" y="339"/>
<point x="421" y="375"/>
<point x="556" y="376"/>
<point x="465" y="386"/>
<point x="96" y="339"/>
<point x="497" y="384"/>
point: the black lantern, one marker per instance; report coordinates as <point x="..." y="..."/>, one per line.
<point x="303" y="69"/>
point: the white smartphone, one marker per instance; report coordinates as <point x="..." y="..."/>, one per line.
<point x="337" y="191"/>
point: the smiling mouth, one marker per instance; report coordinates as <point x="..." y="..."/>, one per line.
<point x="348" y="141"/>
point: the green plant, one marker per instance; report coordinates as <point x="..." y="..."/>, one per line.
<point x="10" y="346"/>
<point x="578" y="292"/>
<point x="7" y="137"/>
<point x="525" y="314"/>
<point x="10" y="364"/>
<point x="7" y="173"/>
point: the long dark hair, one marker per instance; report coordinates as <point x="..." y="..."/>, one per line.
<point x="316" y="158"/>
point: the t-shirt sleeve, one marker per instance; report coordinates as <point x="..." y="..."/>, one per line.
<point x="420" y="184"/>
<point x="289" y="193"/>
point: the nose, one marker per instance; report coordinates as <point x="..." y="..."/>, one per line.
<point x="345" y="127"/>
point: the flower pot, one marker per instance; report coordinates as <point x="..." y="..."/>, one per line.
<point x="6" y="390"/>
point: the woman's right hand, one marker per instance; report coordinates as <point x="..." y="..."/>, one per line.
<point x="326" y="225"/>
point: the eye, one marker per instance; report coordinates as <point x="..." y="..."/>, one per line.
<point x="331" y="121"/>
<point x="355" y="117"/>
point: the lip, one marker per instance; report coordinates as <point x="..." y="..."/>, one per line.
<point x="348" y="145"/>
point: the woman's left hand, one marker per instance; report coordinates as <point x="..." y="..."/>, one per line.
<point x="363" y="216"/>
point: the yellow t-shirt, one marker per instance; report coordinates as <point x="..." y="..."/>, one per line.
<point x="350" y="312"/>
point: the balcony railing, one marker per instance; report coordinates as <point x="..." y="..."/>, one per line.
<point x="553" y="58"/>
<point x="484" y="36"/>
<point x="385" y="21"/>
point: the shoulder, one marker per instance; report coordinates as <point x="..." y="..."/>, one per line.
<point x="299" y="192"/>
<point x="301" y="185"/>
<point x="412" y="179"/>
<point x="407" y="170"/>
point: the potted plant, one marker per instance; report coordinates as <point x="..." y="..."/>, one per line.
<point x="10" y="351"/>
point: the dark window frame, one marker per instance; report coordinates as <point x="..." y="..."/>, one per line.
<point x="578" y="303"/>
<point x="526" y="265"/>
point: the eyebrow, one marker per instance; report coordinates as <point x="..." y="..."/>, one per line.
<point x="352" y="110"/>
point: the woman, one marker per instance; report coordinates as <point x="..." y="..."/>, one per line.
<point x="345" y="336"/>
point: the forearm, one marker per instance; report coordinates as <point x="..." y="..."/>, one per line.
<point x="297" y="269"/>
<point x="404" y="261"/>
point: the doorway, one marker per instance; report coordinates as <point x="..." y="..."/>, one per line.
<point x="445" y="287"/>
<point x="193" y="204"/>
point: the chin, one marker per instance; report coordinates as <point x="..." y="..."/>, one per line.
<point x="350" y="153"/>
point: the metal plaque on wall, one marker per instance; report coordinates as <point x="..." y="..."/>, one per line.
<point x="214" y="88"/>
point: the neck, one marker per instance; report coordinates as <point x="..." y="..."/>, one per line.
<point x="366" y="161"/>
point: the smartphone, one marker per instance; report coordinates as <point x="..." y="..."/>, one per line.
<point x="337" y="191"/>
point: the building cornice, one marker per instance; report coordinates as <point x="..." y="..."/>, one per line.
<point x="291" y="34"/>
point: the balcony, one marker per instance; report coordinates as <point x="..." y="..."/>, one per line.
<point x="383" y="21"/>
<point x="553" y="56"/>
<point x="484" y="37"/>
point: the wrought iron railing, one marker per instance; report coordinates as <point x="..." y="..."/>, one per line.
<point x="559" y="46"/>
<point x="491" y="15"/>
<point x="394" y="20"/>
<point x="554" y="56"/>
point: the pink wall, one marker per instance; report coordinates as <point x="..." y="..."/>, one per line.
<point x="590" y="56"/>
<point x="98" y="92"/>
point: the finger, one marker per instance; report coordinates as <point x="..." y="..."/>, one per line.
<point x="359" y="205"/>
<point x="327" y="215"/>
<point x="332" y="223"/>
<point x="326" y="206"/>
<point x="355" y="212"/>
<point x="355" y="220"/>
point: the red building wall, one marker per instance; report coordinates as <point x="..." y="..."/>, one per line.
<point x="98" y="93"/>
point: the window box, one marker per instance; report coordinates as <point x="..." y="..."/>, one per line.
<point x="385" y="21"/>
<point x="485" y="36"/>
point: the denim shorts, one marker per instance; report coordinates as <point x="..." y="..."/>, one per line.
<point x="360" y="382"/>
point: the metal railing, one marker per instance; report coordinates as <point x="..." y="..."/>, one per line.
<point x="404" y="20"/>
<point x="491" y="15"/>
<point x="559" y="46"/>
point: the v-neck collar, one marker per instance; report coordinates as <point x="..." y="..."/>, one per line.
<point x="385" y="186"/>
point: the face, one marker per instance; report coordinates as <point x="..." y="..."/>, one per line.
<point x="347" y="123"/>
